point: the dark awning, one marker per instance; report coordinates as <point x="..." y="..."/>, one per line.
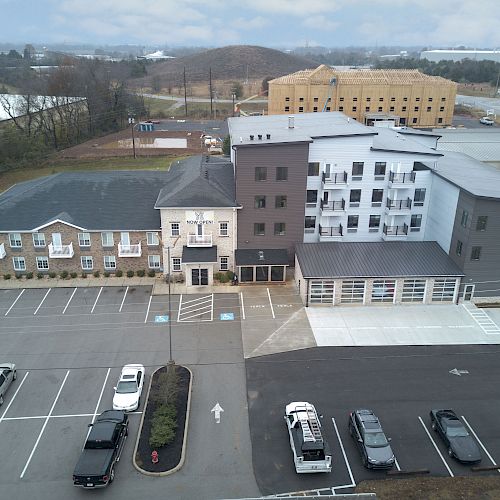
<point x="264" y="257"/>
<point x="199" y="255"/>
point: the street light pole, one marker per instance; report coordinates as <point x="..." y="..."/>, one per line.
<point x="170" y="357"/>
<point x="131" y="120"/>
<point x="233" y="95"/>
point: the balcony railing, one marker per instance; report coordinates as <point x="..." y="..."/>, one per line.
<point x="396" y="230"/>
<point x="197" y="240"/>
<point x="398" y="204"/>
<point x="401" y="177"/>
<point x="334" y="178"/>
<point x="134" y="250"/>
<point x="2" y="250"/>
<point x="331" y="231"/>
<point x="333" y="206"/>
<point x="61" y="251"/>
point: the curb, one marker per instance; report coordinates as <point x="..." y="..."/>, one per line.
<point x="186" y="427"/>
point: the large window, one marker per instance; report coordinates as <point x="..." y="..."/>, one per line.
<point x="413" y="291"/>
<point x="223" y="228"/>
<point x="419" y="197"/>
<point x="154" y="262"/>
<point x="42" y="263"/>
<point x="321" y="291"/>
<point x="374" y="223"/>
<point x="176" y="264"/>
<point x="380" y="167"/>
<point x="377" y="197"/>
<point x="281" y="173"/>
<point x="311" y="198"/>
<point x="87" y="262"/>
<point x="259" y="229"/>
<point x="107" y="239"/>
<point x="260" y="201"/>
<point x="84" y="239"/>
<point x="444" y="290"/>
<point x="223" y="263"/>
<point x="313" y="169"/>
<point x="152" y="239"/>
<point x="383" y="290"/>
<point x="279" y="229"/>
<point x="310" y="224"/>
<point x="353" y="291"/>
<point x="482" y="220"/>
<point x="352" y="222"/>
<point x="175" y="228"/>
<point x="38" y="240"/>
<point x="15" y="240"/>
<point x="19" y="263"/>
<point x="355" y="197"/>
<point x="260" y="174"/>
<point x="280" y="201"/>
<point x="475" y="253"/>
<point x="109" y="262"/>
<point x="415" y="223"/>
<point x="357" y="170"/>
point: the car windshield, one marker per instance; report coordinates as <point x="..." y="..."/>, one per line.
<point x="375" y="439"/>
<point x="126" y="387"/>
<point x="458" y="431"/>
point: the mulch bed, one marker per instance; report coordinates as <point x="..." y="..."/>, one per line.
<point x="170" y="455"/>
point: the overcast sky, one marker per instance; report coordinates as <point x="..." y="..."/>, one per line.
<point x="272" y="23"/>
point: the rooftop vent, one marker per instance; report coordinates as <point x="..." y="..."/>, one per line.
<point x="268" y="136"/>
<point x="251" y="137"/>
<point x="260" y="137"/>
<point x="291" y="122"/>
<point x="261" y="255"/>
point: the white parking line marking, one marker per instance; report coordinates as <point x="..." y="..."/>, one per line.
<point x="76" y="415"/>
<point x="436" y="448"/>
<point x="44" y="425"/>
<point x="479" y="441"/>
<point x="397" y="464"/>
<point x="179" y="311"/>
<point x="13" y="397"/>
<point x="353" y="483"/>
<point x="97" y="298"/>
<point x="212" y="312"/>
<point x="242" y="306"/>
<point x="74" y="291"/>
<point x="206" y="300"/>
<point x="196" y="308"/>
<point x="126" y="290"/>
<point x="270" y="302"/>
<point x="14" y="303"/>
<point x="44" y="297"/>
<point x="147" y="312"/>
<point x="100" y="395"/>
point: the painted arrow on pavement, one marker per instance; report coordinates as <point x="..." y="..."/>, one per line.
<point x="458" y="372"/>
<point x="217" y="410"/>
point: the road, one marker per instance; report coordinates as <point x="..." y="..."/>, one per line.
<point x="484" y="103"/>
<point x="179" y="101"/>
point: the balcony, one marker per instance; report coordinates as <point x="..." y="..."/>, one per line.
<point x="129" y="250"/>
<point x="61" y="251"/>
<point x="199" y="240"/>
<point x="401" y="178"/>
<point x="331" y="232"/>
<point x="398" y="205"/>
<point x="395" y="230"/>
<point x="334" y="180"/>
<point x="333" y="206"/>
<point x="2" y="250"/>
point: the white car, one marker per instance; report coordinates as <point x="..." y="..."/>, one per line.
<point x="128" y="391"/>
<point x="486" y="120"/>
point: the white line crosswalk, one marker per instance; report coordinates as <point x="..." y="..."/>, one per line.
<point x="197" y="309"/>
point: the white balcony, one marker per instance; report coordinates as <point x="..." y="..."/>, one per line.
<point x="2" y="250"/>
<point x="199" y="240"/>
<point x="129" y="250"/>
<point x="61" y="251"/>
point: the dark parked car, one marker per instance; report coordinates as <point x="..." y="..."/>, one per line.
<point x="365" y="428"/>
<point x="460" y="443"/>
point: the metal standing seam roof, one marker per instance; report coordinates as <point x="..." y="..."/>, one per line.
<point x="481" y="144"/>
<point x="384" y="259"/>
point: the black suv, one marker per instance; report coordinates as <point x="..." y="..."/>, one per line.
<point x="374" y="447"/>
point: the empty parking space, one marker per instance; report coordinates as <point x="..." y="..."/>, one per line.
<point x="193" y="308"/>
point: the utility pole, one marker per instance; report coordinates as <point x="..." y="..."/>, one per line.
<point x="233" y="95"/>
<point x="170" y="357"/>
<point x="211" y="94"/>
<point x="131" y="120"/>
<point x="185" y="93"/>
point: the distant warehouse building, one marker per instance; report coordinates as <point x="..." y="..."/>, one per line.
<point x="402" y="97"/>
<point x="460" y="55"/>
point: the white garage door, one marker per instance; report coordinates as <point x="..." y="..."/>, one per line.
<point x="321" y="291"/>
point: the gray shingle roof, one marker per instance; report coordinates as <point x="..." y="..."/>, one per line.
<point x="270" y="256"/>
<point x="199" y="255"/>
<point x="374" y="259"/>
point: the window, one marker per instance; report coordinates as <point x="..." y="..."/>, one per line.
<point x="19" y="263"/>
<point x="321" y="291"/>
<point x="444" y="290"/>
<point x="357" y="170"/>
<point x="403" y="108"/>
<point x="301" y="99"/>
<point x="391" y="108"/>
<point x="87" y="262"/>
<point x="441" y="108"/>
<point x="280" y="201"/>
<point x="443" y="99"/>
<point x="383" y="290"/>
<point x="440" y="120"/>
<point x="430" y="99"/>
<point x="367" y="109"/>
<point x="341" y="99"/>
<point x="42" y="263"/>
<point x="374" y="222"/>
<point x="481" y="223"/>
<point x="415" y="108"/>
<point x="84" y="239"/>
<point x="405" y="99"/>
<point x="223" y="228"/>
<point x="355" y="197"/>
<point x="175" y="228"/>
<point x="475" y="253"/>
<point x="315" y="109"/>
<point x="260" y="201"/>
<point x="429" y="108"/>
<point x="287" y="99"/>
<point x="377" y="197"/>
<point x="107" y="239"/>
<point x="176" y="264"/>
<point x="419" y="197"/>
<point x="414" y="120"/>
<point x="393" y="99"/>
<point x="413" y="291"/>
<point x="458" y="248"/>
<point x="353" y="291"/>
<point x="415" y="223"/>
<point x="465" y="218"/>
<point x="259" y="229"/>
<point x="287" y="109"/>
<point x="315" y="99"/>
<point x="354" y="99"/>
<point x="341" y="108"/>
<point x="38" y="240"/>
<point x="368" y="99"/>
<point x="381" y="99"/>
<point x="260" y="174"/>
<point x="417" y="99"/>
<point x="352" y="221"/>
<point x="224" y="264"/>
<point x="279" y="229"/>
<point x="109" y="262"/>
<point x="380" y="167"/>
<point x="15" y="240"/>
<point x="301" y="109"/>
<point x="154" y="261"/>
<point x="380" y="109"/>
<point x="281" y="173"/>
<point x="328" y="108"/>
<point x="313" y="169"/>
<point x="354" y="108"/>
<point x="311" y="198"/>
<point x="310" y="224"/>
<point x="152" y="239"/>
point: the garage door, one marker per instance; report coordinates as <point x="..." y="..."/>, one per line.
<point x="413" y="291"/>
<point x="444" y="290"/>
<point x="353" y="292"/>
<point x="321" y="291"/>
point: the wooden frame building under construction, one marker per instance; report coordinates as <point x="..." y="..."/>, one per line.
<point x="403" y="97"/>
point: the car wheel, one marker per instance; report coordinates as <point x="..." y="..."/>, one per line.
<point x="112" y="475"/>
<point x="366" y="463"/>
<point x="138" y="403"/>
<point x="15" y="375"/>
<point x="450" y="452"/>
<point x="433" y="425"/>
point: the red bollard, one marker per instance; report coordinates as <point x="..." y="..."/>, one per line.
<point x="154" y="457"/>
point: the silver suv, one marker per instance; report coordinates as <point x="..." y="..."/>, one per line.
<point x="7" y="375"/>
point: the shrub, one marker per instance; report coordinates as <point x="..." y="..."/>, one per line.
<point x="106" y="274"/>
<point x="229" y="275"/>
<point x="6" y="276"/>
<point x="217" y="276"/>
<point x="151" y="273"/>
<point x="73" y="275"/>
<point x="223" y="278"/>
<point x="163" y="426"/>
<point x="84" y="275"/>
<point x="52" y="274"/>
<point x="64" y="274"/>
<point x="39" y="276"/>
<point x="119" y="273"/>
<point x="29" y="276"/>
<point x="141" y="273"/>
<point x="166" y="388"/>
<point x="19" y="276"/>
<point x="130" y="274"/>
<point x="96" y="274"/>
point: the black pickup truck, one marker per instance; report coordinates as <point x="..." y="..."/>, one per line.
<point x="104" y="445"/>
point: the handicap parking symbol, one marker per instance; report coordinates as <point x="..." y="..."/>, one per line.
<point x="227" y="316"/>
<point x="161" y="319"/>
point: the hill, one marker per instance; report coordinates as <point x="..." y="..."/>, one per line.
<point x="234" y="62"/>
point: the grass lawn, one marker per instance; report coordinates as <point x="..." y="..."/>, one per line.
<point x="11" y="177"/>
<point x="158" y="108"/>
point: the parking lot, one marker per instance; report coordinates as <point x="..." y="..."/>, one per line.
<point x="400" y="384"/>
